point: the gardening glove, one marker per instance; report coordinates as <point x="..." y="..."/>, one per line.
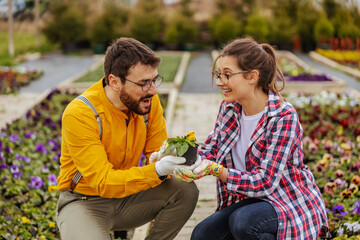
<point x="154" y="157"/>
<point x="167" y="164"/>
<point x="185" y="173"/>
<point x="207" y="167"/>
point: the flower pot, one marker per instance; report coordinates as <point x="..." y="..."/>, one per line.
<point x="190" y="155"/>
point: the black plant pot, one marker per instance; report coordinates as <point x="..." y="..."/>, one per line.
<point x="190" y="155"/>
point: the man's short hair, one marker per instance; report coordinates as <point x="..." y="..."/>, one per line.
<point x="124" y="53"/>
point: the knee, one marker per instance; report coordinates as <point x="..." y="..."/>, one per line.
<point x="199" y="232"/>
<point x="240" y="227"/>
<point x="187" y="191"/>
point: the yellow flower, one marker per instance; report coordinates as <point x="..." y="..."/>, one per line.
<point x="345" y="146"/>
<point x="191" y="136"/>
<point x="356" y="180"/>
<point x="323" y="163"/>
<point x="51" y="224"/>
<point x="358" y="139"/>
<point x="53" y="188"/>
<point x="25" y="220"/>
<point x="353" y="188"/>
<point x="42" y="237"/>
<point x="346" y="194"/>
<point x="327" y="157"/>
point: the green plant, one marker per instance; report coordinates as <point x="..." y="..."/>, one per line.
<point x="146" y="22"/>
<point x="257" y="27"/>
<point x="66" y="26"/>
<point x="224" y="28"/>
<point x="323" y="30"/>
<point x="180" y="143"/>
<point x="106" y="27"/>
<point x="182" y="30"/>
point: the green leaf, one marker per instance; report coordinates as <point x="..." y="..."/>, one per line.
<point x="181" y="148"/>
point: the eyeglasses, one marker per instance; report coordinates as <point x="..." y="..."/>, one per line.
<point x="225" y="81"/>
<point x="148" y="83"/>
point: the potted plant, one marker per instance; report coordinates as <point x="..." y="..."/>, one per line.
<point x="184" y="146"/>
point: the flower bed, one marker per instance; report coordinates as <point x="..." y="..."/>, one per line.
<point x="345" y="57"/>
<point x="301" y="77"/>
<point x="12" y="79"/>
<point x="29" y="164"/>
<point x="293" y="72"/>
<point x="331" y="124"/>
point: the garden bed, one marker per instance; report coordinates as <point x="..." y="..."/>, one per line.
<point x="331" y="124"/>
<point x="337" y="65"/>
<point x="29" y="163"/>
<point x="11" y="79"/>
<point x="301" y="77"/>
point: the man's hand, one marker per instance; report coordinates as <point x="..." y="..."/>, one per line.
<point x="167" y="164"/>
<point x="153" y="157"/>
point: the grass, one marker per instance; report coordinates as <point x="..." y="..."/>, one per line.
<point x="169" y="65"/>
<point x="23" y="43"/>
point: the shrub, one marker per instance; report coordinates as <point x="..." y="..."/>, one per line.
<point x="257" y="27"/>
<point x="66" y="26"/>
<point x="224" y="28"/>
<point x="106" y="27"/>
<point x="146" y="22"/>
<point x="323" y="30"/>
<point x="182" y="30"/>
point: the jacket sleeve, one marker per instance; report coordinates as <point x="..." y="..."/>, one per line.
<point x="282" y="140"/>
<point x="88" y="154"/>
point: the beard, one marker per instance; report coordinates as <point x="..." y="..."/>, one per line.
<point x="134" y="105"/>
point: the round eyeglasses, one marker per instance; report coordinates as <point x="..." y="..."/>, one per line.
<point x="146" y="85"/>
<point x="225" y="81"/>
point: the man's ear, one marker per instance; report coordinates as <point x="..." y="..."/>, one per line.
<point x="253" y="76"/>
<point x="114" y="82"/>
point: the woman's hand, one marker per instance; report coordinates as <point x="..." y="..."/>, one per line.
<point x="205" y="167"/>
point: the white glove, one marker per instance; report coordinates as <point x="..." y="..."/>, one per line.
<point x="153" y="157"/>
<point x="167" y="165"/>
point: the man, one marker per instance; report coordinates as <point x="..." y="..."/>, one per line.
<point x="110" y="191"/>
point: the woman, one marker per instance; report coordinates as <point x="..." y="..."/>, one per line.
<point x="264" y="189"/>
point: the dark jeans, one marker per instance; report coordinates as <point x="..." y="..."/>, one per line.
<point x="248" y="219"/>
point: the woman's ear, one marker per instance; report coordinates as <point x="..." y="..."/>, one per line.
<point x="114" y="82"/>
<point x="253" y="76"/>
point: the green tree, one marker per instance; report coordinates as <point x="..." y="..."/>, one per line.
<point x="257" y="27"/>
<point x="307" y="16"/>
<point x="323" y="30"/>
<point x="224" y="28"/>
<point x="146" y="22"/>
<point x="66" y="26"/>
<point x="106" y="27"/>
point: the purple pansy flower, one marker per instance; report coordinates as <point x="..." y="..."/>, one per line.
<point x="53" y="145"/>
<point x="14" y="138"/>
<point x="36" y="182"/>
<point x="8" y="150"/>
<point x="17" y="175"/>
<point x="3" y="166"/>
<point x="45" y="169"/>
<point x="55" y="158"/>
<point x="356" y="207"/>
<point x="41" y="148"/>
<point x="3" y="135"/>
<point x="52" y="180"/>
<point x="14" y="169"/>
<point x="30" y="135"/>
<point x="338" y="211"/>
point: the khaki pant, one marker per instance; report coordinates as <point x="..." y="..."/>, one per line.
<point x="170" y="204"/>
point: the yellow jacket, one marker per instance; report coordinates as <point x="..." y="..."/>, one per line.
<point x="109" y="166"/>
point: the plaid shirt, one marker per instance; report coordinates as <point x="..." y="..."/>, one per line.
<point x="275" y="171"/>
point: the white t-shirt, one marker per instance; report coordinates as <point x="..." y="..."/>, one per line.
<point x="247" y="128"/>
